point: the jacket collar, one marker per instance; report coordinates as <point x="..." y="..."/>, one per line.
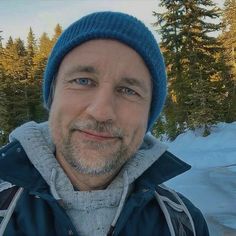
<point x="165" y="168"/>
<point x="15" y="167"/>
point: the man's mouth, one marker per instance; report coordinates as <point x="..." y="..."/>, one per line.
<point x="97" y="136"/>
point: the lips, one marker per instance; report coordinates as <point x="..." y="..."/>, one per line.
<point x="96" y="136"/>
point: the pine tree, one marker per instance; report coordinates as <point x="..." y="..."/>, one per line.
<point x="20" y="48"/>
<point x="1" y="79"/>
<point x="228" y="39"/>
<point x="1" y="38"/>
<point x="13" y="60"/>
<point x="229" y="32"/>
<point x="57" y="33"/>
<point x="1" y="55"/>
<point x="34" y="81"/>
<point x="31" y="51"/>
<point x="190" y="54"/>
<point x="9" y="43"/>
<point x="45" y="46"/>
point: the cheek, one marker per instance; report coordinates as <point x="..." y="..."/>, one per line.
<point x="134" y="122"/>
<point x="134" y="116"/>
<point x="63" y="107"/>
<point x="54" y="124"/>
<point x="58" y="119"/>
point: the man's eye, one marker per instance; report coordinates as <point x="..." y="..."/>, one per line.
<point x="82" y="81"/>
<point x="127" y="91"/>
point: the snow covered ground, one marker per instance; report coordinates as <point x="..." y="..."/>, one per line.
<point x="211" y="183"/>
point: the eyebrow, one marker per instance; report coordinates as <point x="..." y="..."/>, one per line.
<point x="79" y="68"/>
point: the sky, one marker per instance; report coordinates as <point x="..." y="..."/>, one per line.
<point x="17" y="16"/>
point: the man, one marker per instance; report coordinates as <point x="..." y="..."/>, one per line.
<point x="93" y="169"/>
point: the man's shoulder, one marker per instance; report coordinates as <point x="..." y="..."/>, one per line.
<point x="10" y="148"/>
<point x="15" y="166"/>
<point x="7" y="189"/>
<point x="181" y="211"/>
<point x="11" y="151"/>
<point x="195" y="212"/>
<point x="10" y="155"/>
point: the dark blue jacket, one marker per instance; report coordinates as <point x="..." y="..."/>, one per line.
<point x="38" y="213"/>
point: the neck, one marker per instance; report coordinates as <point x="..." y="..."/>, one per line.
<point x="85" y="182"/>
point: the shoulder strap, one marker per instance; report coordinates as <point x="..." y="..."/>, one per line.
<point x="177" y="215"/>
<point x="8" y="200"/>
<point x="6" y="197"/>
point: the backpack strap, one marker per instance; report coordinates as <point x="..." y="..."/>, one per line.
<point x="8" y="200"/>
<point x="177" y="215"/>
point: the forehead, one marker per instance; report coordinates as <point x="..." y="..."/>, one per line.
<point x="104" y="44"/>
<point x="105" y="52"/>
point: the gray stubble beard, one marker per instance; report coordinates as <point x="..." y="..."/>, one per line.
<point x="111" y="165"/>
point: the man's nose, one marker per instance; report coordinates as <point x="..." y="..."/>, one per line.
<point x="102" y="106"/>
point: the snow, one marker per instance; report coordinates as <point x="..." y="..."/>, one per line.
<point x="211" y="182"/>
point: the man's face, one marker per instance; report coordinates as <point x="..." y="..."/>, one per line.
<point x="100" y="108"/>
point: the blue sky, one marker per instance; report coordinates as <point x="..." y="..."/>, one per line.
<point x="16" y="16"/>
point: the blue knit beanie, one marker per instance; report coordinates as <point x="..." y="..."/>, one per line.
<point x="124" y="28"/>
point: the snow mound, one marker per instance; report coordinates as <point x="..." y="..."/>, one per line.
<point x="210" y="184"/>
<point x="217" y="148"/>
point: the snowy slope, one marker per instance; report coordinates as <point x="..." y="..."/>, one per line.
<point x="211" y="183"/>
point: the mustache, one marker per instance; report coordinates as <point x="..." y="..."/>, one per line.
<point x="100" y="127"/>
